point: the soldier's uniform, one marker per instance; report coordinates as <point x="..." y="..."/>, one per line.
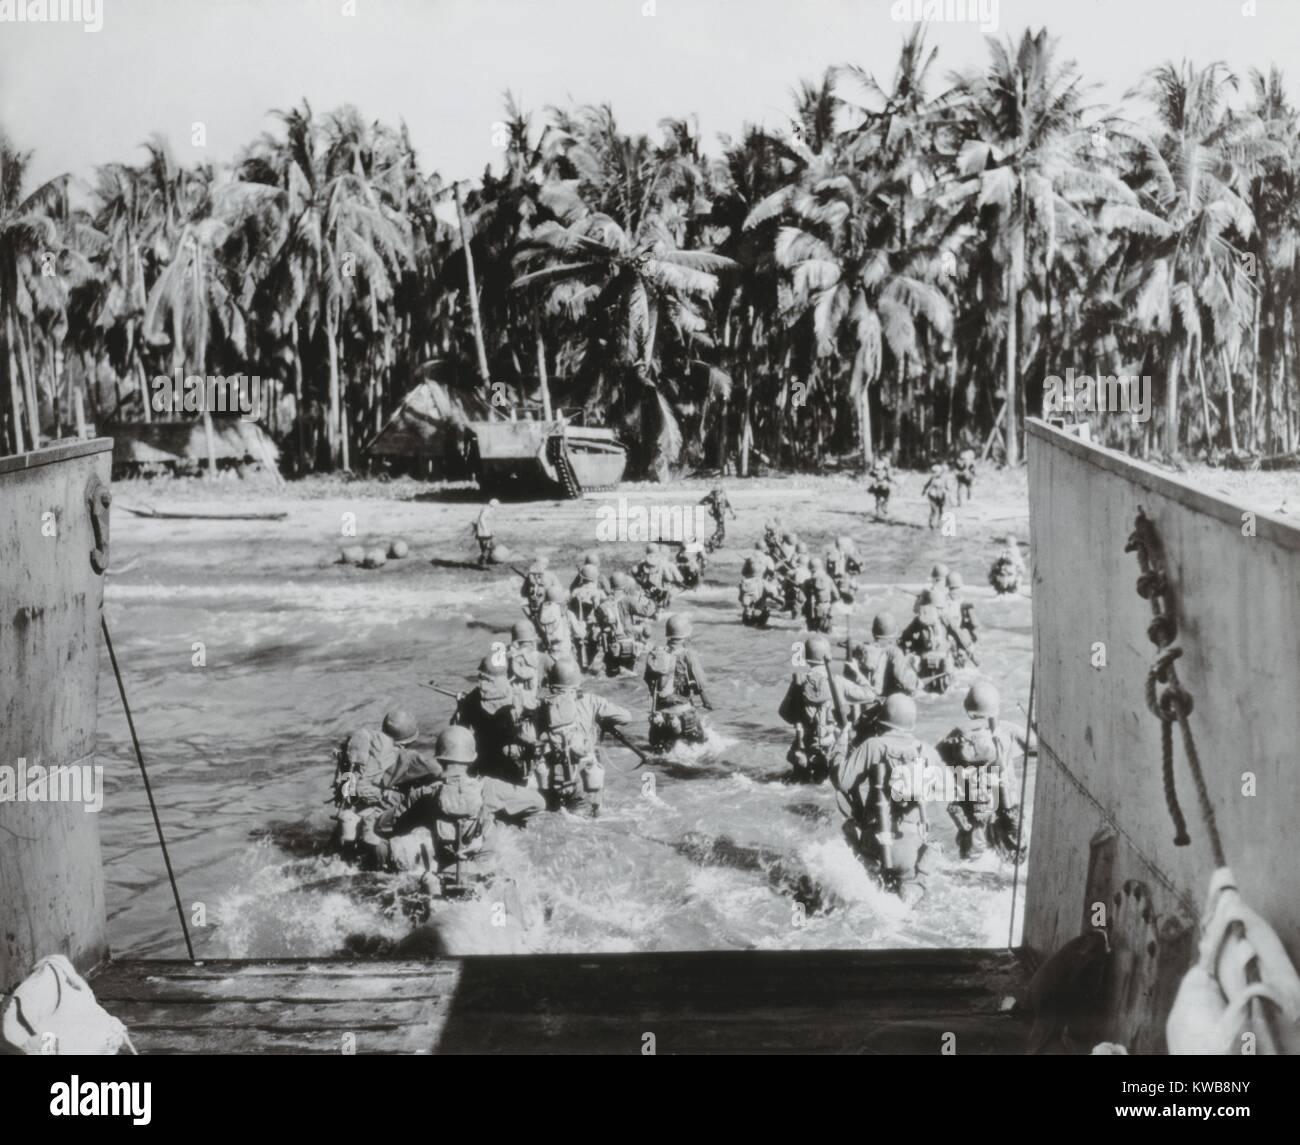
<point x="926" y="638"/>
<point x="810" y="705"/>
<point x="981" y="753"/>
<point x="1008" y="569"/>
<point x="965" y="474"/>
<point x="537" y="582"/>
<point x="583" y="602"/>
<point x="483" y="533"/>
<point x="876" y="785"/>
<point x="571" y="772"/>
<point x="880" y="484"/>
<point x="620" y="632"/>
<point x="719" y="507"/>
<point x="883" y="667"/>
<point x="756" y="595"/>
<point x="676" y="681"/>
<point x="602" y="579"/>
<point x="486" y="710"/>
<point x="526" y="666"/>
<point x="819" y="595"/>
<point x="937" y="489"/>
<point x="960" y="616"/>
<point x="690" y="564"/>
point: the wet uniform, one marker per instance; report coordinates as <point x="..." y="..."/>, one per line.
<point x="810" y="707"/>
<point x="676" y="682"/>
<point x="982" y="754"/>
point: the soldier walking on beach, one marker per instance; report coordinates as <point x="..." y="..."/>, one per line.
<point x="937" y="490"/>
<point x="719" y="507"/>
<point x="484" y="533"/>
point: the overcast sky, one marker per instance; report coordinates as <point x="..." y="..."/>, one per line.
<point x="79" y="98"/>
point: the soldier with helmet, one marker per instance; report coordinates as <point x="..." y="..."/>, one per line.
<point x="882" y="666"/>
<point x="819" y="596"/>
<point x="525" y="664"/>
<point x="817" y="704"/>
<point x="558" y="630"/>
<point x="657" y="577"/>
<point x="487" y="710"/>
<point x="719" y="507"/>
<point x="591" y="557"/>
<point x="691" y="563"/>
<point x="484" y="533"/>
<point x="1008" y="568"/>
<point x="960" y="615"/>
<point x="980" y="754"/>
<point x="880" y="484"/>
<point x="621" y="623"/>
<point x="570" y="771"/>
<point x="937" y="489"/>
<point x="842" y="565"/>
<point x="757" y="594"/>
<point x="880" y="790"/>
<point x="926" y="639"/>
<point x="537" y="580"/>
<point x="583" y="602"/>
<point x="372" y="770"/>
<point x="677" y="688"/>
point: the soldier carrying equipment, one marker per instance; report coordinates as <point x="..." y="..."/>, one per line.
<point x="926" y="638"/>
<point x="756" y="595"/>
<point x="882" y="666"/>
<point x="570" y="769"/>
<point x="676" y="682"/>
<point x="819" y="595"/>
<point x="980" y="755"/>
<point x="879" y="785"/>
<point x="719" y="506"/>
<point x="815" y="704"/>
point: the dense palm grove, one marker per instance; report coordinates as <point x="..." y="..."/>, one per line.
<point x="895" y="270"/>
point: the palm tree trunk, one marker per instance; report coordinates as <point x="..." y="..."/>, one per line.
<point x="15" y="396"/>
<point x="1205" y="404"/>
<point x="300" y="413"/>
<point x="1252" y="434"/>
<point x="335" y="414"/>
<point x="1171" y="404"/>
<point x="864" y="425"/>
<point x="746" y="430"/>
<point x="29" y="387"/>
<point x="542" y="382"/>
<point x="472" y="286"/>
<point x="1232" y="415"/>
<point x="1012" y="405"/>
<point x="952" y="393"/>
<point x="55" y="357"/>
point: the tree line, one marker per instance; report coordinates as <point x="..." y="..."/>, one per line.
<point x="896" y="269"/>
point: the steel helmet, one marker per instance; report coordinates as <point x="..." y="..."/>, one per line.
<point x="759" y="547"/>
<point x="938" y="572"/>
<point x="456" y="745"/>
<point x="679" y="627"/>
<point x="787" y="538"/>
<point x="817" y="649"/>
<point x="844" y="544"/>
<point x="884" y="625"/>
<point x="494" y="504"/>
<point x="954" y="580"/>
<point x="591" y="557"/>
<point x="652" y="550"/>
<point x="899" y="713"/>
<point x="523" y="631"/>
<point x="555" y="594"/>
<point x="400" y="725"/>
<point x="982" y="700"/>
<point x="621" y="580"/>
<point x="493" y="664"/>
<point x="936" y="467"/>
<point x="541" y="563"/>
<point x="924" y="597"/>
<point x="589" y="572"/>
<point x="750" y="568"/>
<point x="801" y="547"/>
<point x="551" y="613"/>
<point x="816" y="565"/>
<point x="564" y="673"/>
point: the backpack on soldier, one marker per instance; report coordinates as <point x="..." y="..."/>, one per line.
<point x="661" y="671"/>
<point x="980" y="747"/>
<point x="459" y="802"/>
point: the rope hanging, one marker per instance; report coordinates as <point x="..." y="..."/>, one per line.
<point x="1166" y="698"/>
<point x="148" y="790"/>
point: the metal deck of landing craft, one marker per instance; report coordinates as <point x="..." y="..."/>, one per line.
<point x="872" y="1002"/>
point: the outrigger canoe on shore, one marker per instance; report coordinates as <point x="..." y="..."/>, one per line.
<point x="163" y="514"/>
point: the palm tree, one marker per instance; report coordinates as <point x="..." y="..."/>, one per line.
<point x="610" y="261"/>
<point x="1018" y="120"/>
<point x="1187" y="280"/>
